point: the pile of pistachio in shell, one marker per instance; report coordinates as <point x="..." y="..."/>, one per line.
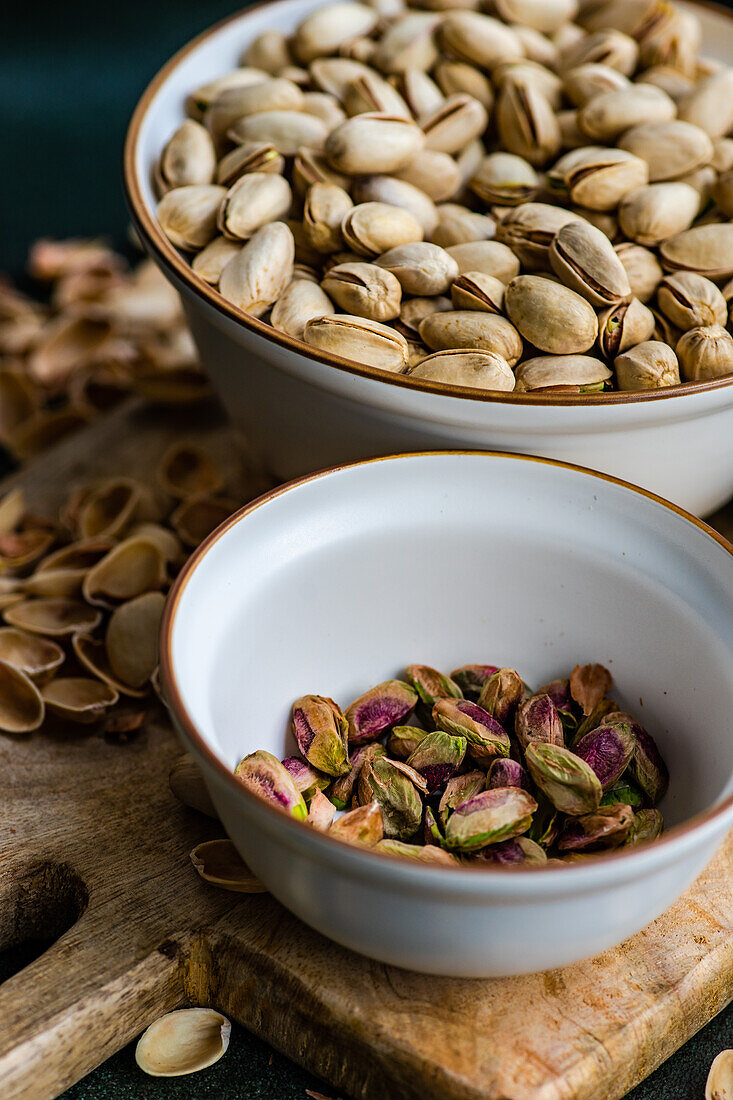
<point x="82" y="593"/>
<point x="96" y="333"/>
<point x="471" y="768"/>
<point x="527" y="195"/>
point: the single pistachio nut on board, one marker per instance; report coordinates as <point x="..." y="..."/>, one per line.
<point x="468" y="769"/>
<point x="519" y="197"/>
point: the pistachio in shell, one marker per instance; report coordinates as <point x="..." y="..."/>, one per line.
<point x="132" y="638"/>
<point x="437" y="758"/>
<point x="501" y="694"/>
<point x="569" y="783"/>
<point x="623" y="327"/>
<point x="306" y="778"/>
<point x="53" y="617"/>
<point x="188" y="470"/>
<point x="197" y="517"/>
<point x="22" y="708"/>
<point x="55" y="582"/>
<point x="647" y="825"/>
<point x="608" y="750"/>
<point x="606" y="827"/>
<point x="183" y="1042"/>
<point x="381" y="780"/>
<point x="486" y="737"/>
<point x="78" y="698"/>
<point x="488" y="818"/>
<point x="263" y="774"/>
<point x="471" y="679"/>
<point x="364" y="825"/>
<point x="131" y="568"/>
<point x="550" y="316"/>
<point x="219" y="863"/>
<point x="505" y="772"/>
<point x="378" y="710"/>
<point x="538" y="720"/>
<point x="37" y="657"/>
<point x="403" y="740"/>
<point x="321" y="731"/>
<point x="520" y="852"/>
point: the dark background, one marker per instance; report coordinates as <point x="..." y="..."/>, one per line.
<point x="70" y="75"/>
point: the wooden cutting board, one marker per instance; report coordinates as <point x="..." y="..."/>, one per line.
<point x="95" y="851"/>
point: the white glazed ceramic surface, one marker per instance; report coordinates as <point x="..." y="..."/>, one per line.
<point x="302" y="413"/>
<point x="335" y="583"/>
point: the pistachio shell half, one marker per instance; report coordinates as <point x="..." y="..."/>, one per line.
<point x="183" y="1042"/>
<point x="219" y="863"/>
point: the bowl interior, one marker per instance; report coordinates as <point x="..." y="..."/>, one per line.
<point x="338" y="582"/>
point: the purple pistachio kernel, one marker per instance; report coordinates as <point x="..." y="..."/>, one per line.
<point x="513" y="853"/>
<point x="264" y="775"/>
<point x="538" y="720"/>
<point x="505" y="772"/>
<point x="559" y="692"/>
<point x="607" y="827"/>
<point x="471" y="678"/>
<point x="647" y="766"/>
<point x="379" y="710"/>
<point x="608" y="750"/>
<point x="486" y="737"/>
<point x="501" y="695"/>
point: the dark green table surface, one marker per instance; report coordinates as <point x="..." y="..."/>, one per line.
<point x="70" y="74"/>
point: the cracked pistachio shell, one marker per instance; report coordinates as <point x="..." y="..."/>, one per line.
<point x="187" y="158"/>
<point x="378" y="710"/>
<point x="320" y="731"/>
<point x="546" y="16"/>
<point x="219" y="863"/>
<point x="564" y="373"/>
<point x="607" y="47"/>
<point x="478" y="292"/>
<point x="437" y="174"/>
<point x="488" y="257"/>
<point x="22" y="707"/>
<point x="642" y="267"/>
<point x="256" y="199"/>
<point x="187" y="215"/>
<point x="326" y="29"/>
<point x="373" y="143"/>
<point x="501" y="694"/>
<point x="478" y="39"/>
<point x="592" y="80"/>
<point x="489" y="818"/>
<point x="400" y="193"/>
<point x="264" y="775"/>
<point x="364" y="825"/>
<point x="421" y="268"/>
<point x="505" y="179"/>
<point x="457" y="791"/>
<point x="706" y="249"/>
<point x="551" y="316"/>
<point x="183" y="1042"/>
<point x="358" y="338"/>
<point x="650" y="365"/>
<point x="437" y="758"/>
<point x="529" y="230"/>
<point x="623" y="326"/>
<point x="197" y="517"/>
<point x="365" y="290"/>
<point x="286" y="131"/>
<point x="520" y="852"/>
<point x="669" y="149"/>
<point x="457" y="121"/>
<point x="647" y="768"/>
<point x="527" y="122"/>
<point x="370" y="93"/>
<point x="607" y="827"/>
<point x="372" y="228"/>
<point x="598" y="177"/>
<point x="472" y="329"/>
<point x="705" y="352"/>
<point x="568" y="782"/>
<point x="649" y="215"/>
<point x="382" y="781"/>
<point x="187" y="470"/>
<point x="341" y="789"/>
<point x="623" y="791"/>
<point x="485" y="736"/>
<point x="605" y="117"/>
<point x="709" y="104"/>
<point x="78" y="699"/>
<point x="647" y="825"/>
<point x="132" y="638"/>
<point x="403" y="740"/>
<point x="306" y="778"/>
<point x="589" y="684"/>
<point x="456" y="224"/>
<point x="260" y="272"/>
<point x="483" y="370"/>
<point x="431" y="685"/>
<point x="324" y="208"/>
<point x="608" y="750"/>
<point x="424" y="853"/>
<point x="471" y="678"/>
<point x="301" y="301"/>
<point x="505" y="772"/>
<point x="690" y="301"/>
<point x="583" y="258"/>
<point x="538" y="720"/>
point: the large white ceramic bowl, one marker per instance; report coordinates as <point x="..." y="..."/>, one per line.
<point x="336" y="582"/>
<point x="303" y="409"/>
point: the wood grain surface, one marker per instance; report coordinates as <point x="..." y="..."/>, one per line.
<point x="95" y="852"/>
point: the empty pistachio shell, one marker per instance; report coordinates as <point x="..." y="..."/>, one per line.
<point x="705" y="352"/>
<point x="606" y="827"/>
<point x="187" y="215"/>
<point x="37" y="657"/>
<point x="183" y="1042"/>
<point x="488" y="818"/>
<point x="583" y="258"/>
<point x="220" y="864"/>
<point x="131" y="568"/>
<point x="383" y="781"/>
<point x="471" y="678"/>
<point x="320" y="730"/>
<point x="647" y="825"/>
<point x="358" y="338"/>
<point x="608" y="750"/>
<point x="521" y="852"/>
<point x="264" y="775"/>
<point x="378" y="710"/>
<point x="505" y="772"/>
<point x="538" y="720"/>
<point x="364" y="825"/>
<point x="169" y="546"/>
<point x="437" y="758"/>
<point x="78" y="699"/>
<point x="132" y="638"/>
<point x="188" y="470"/>
<point x="197" y="517"/>
<point x="92" y="655"/>
<point x="648" y="366"/>
<point x="54" y="582"/>
<point x="483" y="370"/>
<point x="52" y="616"/>
<point x="187" y="784"/>
<point x="463" y="718"/>
<point x="21" y="704"/>
<point x="570" y="784"/>
<point x="23" y="548"/>
<point x="501" y="695"/>
<point x="259" y="273"/>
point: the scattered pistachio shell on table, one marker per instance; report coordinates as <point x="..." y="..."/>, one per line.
<point x="131" y="639"/>
<point x="187" y="784"/>
<point x="78" y="698"/>
<point x="92" y="655"/>
<point x="219" y="863"/>
<point x="187" y="470"/>
<point x="197" y="517"/>
<point x="183" y="1042"/>
<point x="37" y="657"/>
<point x="22" y="707"/>
<point x="52" y="616"/>
<point x="131" y="568"/>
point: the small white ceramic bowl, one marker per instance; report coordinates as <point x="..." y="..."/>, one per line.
<point x="304" y="410"/>
<point x="336" y="582"/>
